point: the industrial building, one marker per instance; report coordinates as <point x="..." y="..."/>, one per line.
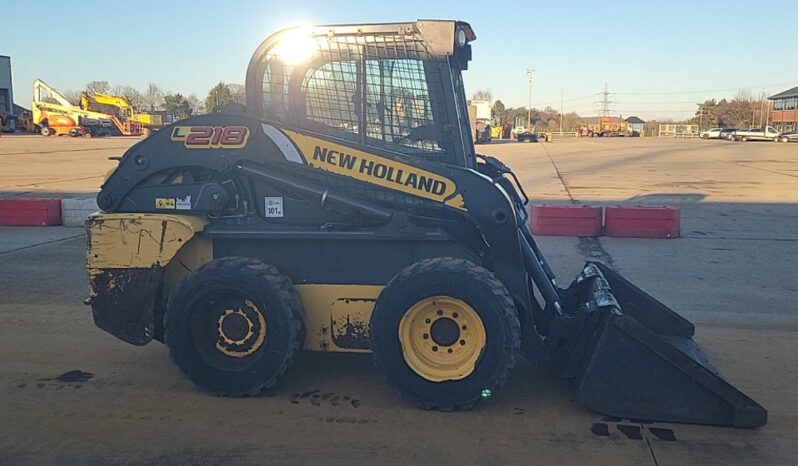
<point x="785" y="110"/>
<point x="6" y="88"/>
<point x="636" y="124"/>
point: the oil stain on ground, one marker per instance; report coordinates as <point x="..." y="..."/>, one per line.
<point x="317" y="398"/>
<point x="75" y="376"/>
<point x="72" y="379"/>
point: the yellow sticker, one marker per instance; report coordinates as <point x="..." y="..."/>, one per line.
<point x="377" y="170"/>
<point x="164" y="203"/>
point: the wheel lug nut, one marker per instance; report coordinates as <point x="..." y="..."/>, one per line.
<point x="449" y="350"/>
<point x="428" y="321"/>
<point x="440" y="312"/>
<point x="465" y="327"/>
<point x="455" y="315"/>
<point x="462" y="342"/>
<point x="434" y="348"/>
<point x="426" y="335"/>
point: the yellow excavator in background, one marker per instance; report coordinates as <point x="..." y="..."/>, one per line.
<point x="118" y="105"/>
<point x="54" y="114"/>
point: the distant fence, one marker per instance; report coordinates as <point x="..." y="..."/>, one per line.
<point x="678" y="131"/>
<point x="566" y="134"/>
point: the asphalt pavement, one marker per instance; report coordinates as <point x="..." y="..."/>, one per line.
<point x="71" y="394"/>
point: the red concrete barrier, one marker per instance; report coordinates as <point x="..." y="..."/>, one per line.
<point x="565" y="220"/>
<point x="642" y="222"/>
<point x="30" y="212"/>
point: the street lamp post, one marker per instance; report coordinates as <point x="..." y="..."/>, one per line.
<point x="529" y="73"/>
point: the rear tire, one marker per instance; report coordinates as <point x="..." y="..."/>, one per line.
<point x="444" y="333"/>
<point x="234" y="326"/>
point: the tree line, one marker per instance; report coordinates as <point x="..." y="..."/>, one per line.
<point x="742" y="111"/>
<point x="153" y="98"/>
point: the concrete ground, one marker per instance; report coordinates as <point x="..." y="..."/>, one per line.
<point x="33" y="165"/>
<point x="71" y="394"/>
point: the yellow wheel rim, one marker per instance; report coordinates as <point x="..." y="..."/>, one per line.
<point x="248" y="341"/>
<point x="442" y="338"/>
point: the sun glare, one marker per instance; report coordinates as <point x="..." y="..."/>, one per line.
<point x="295" y="47"/>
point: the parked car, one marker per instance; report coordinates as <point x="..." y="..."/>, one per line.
<point x="757" y="134"/>
<point x="727" y="133"/>
<point x="790" y="136"/>
<point x="526" y="136"/>
<point x="713" y="133"/>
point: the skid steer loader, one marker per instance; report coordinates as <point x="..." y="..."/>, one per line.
<point x="343" y="208"/>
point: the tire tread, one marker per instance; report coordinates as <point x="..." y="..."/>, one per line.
<point x="280" y="284"/>
<point x="507" y="307"/>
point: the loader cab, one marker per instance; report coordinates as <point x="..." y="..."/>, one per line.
<point x="394" y="88"/>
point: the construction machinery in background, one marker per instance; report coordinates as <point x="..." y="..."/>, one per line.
<point x="319" y="217"/>
<point x="53" y="114"/>
<point x="606" y="126"/>
<point x="119" y="107"/>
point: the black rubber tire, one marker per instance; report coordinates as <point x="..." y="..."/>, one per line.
<point x="460" y="279"/>
<point x="271" y="291"/>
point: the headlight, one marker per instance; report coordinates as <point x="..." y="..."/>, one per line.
<point x="461" y="38"/>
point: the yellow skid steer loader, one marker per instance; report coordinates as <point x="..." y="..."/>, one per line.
<point x="343" y="208"/>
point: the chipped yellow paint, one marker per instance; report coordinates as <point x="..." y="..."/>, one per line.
<point x="327" y="303"/>
<point x="122" y="241"/>
<point x="196" y="253"/>
<point x="169" y="241"/>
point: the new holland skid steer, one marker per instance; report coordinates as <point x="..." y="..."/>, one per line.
<point x="343" y="208"/>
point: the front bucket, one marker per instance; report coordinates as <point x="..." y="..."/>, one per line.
<point x="632" y="357"/>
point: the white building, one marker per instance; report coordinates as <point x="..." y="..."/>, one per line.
<point x="6" y="88"/>
<point x="483" y="109"/>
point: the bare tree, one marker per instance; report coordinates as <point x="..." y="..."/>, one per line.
<point x="237" y="93"/>
<point x="195" y="104"/>
<point x="483" y="94"/>
<point x="72" y="96"/>
<point x="744" y="95"/>
<point x="101" y="87"/>
<point x="152" y="98"/>
<point x="129" y="93"/>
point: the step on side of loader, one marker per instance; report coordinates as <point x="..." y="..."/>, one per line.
<point x="631" y="356"/>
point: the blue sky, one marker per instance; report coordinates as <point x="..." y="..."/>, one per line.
<point x="658" y="57"/>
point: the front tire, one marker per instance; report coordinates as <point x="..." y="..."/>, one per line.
<point x="234" y="326"/>
<point x="444" y="333"/>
